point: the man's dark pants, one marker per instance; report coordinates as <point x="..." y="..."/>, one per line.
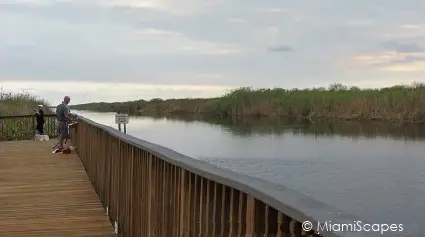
<point x="40" y="129"/>
<point x="63" y="130"/>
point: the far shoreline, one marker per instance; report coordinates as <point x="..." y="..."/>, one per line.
<point x="397" y="104"/>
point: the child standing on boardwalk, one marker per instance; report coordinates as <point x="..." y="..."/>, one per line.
<point x="39" y="115"/>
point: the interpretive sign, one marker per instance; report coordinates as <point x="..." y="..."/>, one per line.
<point x="121" y="118"/>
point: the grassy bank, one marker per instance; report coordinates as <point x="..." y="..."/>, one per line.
<point x="398" y="103"/>
<point x="17" y="104"/>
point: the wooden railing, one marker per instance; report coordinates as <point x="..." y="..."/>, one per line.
<point x="23" y="127"/>
<point x="149" y="190"/>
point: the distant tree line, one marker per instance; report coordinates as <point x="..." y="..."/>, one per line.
<point x="404" y="103"/>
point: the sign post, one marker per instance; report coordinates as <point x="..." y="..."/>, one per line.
<point x="121" y="119"/>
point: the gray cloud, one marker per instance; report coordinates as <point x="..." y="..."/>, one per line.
<point x="403" y="47"/>
<point x="281" y="48"/>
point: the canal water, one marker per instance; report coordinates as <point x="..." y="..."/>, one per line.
<point x="375" y="171"/>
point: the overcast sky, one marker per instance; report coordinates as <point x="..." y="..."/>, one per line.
<point x="115" y="50"/>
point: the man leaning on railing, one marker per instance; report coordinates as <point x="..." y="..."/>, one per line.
<point x="63" y="115"/>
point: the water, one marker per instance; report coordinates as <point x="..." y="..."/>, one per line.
<point x="373" y="171"/>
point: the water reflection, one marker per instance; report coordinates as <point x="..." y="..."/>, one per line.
<point x="352" y="129"/>
<point x="373" y="170"/>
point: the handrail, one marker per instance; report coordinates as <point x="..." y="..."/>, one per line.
<point x="22" y="127"/>
<point x="25" y="116"/>
<point x="269" y="208"/>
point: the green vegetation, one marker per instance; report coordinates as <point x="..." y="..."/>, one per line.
<point x="152" y="107"/>
<point x="17" y="104"/>
<point x="398" y="104"/>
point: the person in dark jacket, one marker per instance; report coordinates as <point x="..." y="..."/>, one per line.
<point x="39" y="115"/>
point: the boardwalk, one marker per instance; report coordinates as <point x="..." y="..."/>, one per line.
<point x="42" y="194"/>
<point x="149" y="190"/>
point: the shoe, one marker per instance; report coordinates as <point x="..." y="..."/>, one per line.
<point x="66" y="151"/>
<point x="55" y="151"/>
<point x="58" y="150"/>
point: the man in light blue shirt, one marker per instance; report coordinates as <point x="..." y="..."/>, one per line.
<point x="63" y="116"/>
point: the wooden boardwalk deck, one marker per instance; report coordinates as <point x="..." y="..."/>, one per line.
<point x="42" y="194"/>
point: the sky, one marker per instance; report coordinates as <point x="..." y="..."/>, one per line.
<point x="119" y="50"/>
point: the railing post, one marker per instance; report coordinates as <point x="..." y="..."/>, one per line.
<point x="149" y="194"/>
<point x="119" y="124"/>
<point x="33" y="127"/>
<point x="182" y="202"/>
<point x="250" y="217"/>
<point x="131" y="189"/>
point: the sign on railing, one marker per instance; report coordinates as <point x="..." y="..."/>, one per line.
<point x="121" y="119"/>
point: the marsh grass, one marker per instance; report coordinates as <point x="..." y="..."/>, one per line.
<point x="398" y="103"/>
<point x="18" y="104"/>
<point x="403" y="103"/>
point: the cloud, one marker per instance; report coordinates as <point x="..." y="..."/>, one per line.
<point x="184" y="6"/>
<point x="198" y="42"/>
<point x="405" y="67"/>
<point x="281" y="48"/>
<point x="236" y="20"/>
<point x="108" y="37"/>
<point x="412" y="26"/>
<point x="394" y="61"/>
<point x="402" y="47"/>
<point x="179" y="42"/>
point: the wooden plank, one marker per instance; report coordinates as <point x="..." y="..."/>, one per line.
<point x="42" y="194"/>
